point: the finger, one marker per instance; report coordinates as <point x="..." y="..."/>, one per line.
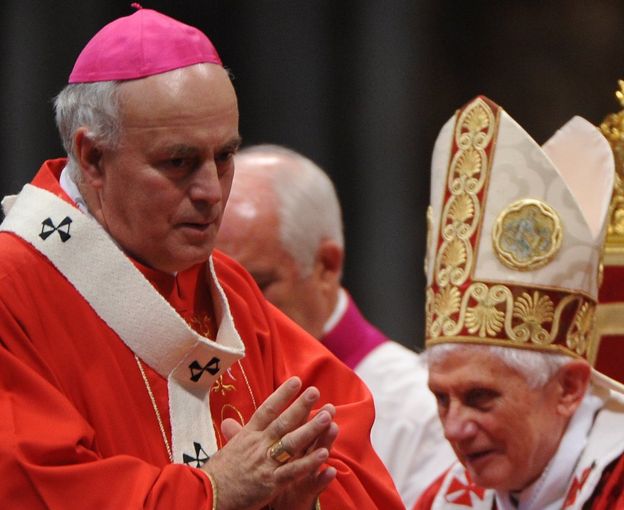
<point x="323" y="479"/>
<point x="275" y="404"/>
<point x="327" y="438"/>
<point x="299" y="440"/>
<point x="305" y="492"/>
<point x="230" y="427"/>
<point x="296" y="415"/>
<point x="306" y="466"/>
<point x="330" y="408"/>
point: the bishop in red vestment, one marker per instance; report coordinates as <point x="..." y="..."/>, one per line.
<point x="137" y="369"/>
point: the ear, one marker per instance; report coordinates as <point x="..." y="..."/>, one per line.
<point x="89" y="157"/>
<point x="329" y="260"/>
<point x="573" y="381"/>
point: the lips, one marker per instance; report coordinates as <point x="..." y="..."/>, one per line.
<point x="196" y="226"/>
<point x="477" y="457"/>
<point x="199" y="223"/>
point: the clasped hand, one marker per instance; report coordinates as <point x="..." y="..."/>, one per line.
<point x="253" y="470"/>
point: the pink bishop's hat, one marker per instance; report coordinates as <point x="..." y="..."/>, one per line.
<point x="142" y="44"/>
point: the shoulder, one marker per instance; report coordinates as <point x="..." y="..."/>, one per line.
<point x="19" y="260"/>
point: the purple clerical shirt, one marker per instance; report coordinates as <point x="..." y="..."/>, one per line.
<point x="353" y="337"/>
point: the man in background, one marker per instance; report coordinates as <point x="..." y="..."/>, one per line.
<point x="284" y="225"/>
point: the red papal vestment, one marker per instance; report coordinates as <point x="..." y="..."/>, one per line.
<point x="77" y="425"/>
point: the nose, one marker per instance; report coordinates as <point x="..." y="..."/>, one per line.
<point x="458" y="424"/>
<point x="205" y="185"/>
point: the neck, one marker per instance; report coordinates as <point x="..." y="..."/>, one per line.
<point x="337" y="305"/>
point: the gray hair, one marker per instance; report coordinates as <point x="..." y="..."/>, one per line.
<point x="308" y="207"/>
<point x="537" y="367"/>
<point x="93" y="105"/>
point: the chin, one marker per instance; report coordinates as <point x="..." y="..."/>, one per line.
<point x="492" y="477"/>
<point x="188" y="256"/>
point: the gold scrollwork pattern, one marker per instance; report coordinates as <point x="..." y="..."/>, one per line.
<point x="506" y="315"/>
<point x="220" y="386"/>
<point x="485" y="318"/>
<point x="581" y="330"/>
<point x="533" y="311"/>
<point x="467" y="175"/>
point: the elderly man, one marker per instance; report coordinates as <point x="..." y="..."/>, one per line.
<point x="513" y="269"/>
<point x="137" y="370"/>
<point x="283" y="223"/>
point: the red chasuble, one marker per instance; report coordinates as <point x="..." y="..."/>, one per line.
<point x="78" y="428"/>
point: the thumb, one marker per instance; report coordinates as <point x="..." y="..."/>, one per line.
<point x="230" y="428"/>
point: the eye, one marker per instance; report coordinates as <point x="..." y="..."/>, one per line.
<point x="178" y="162"/>
<point x="442" y="400"/>
<point x="178" y="166"/>
<point x="481" y="398"/>
<point x="225" y="156"/>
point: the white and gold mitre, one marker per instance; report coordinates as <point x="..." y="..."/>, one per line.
<point x="516" y="232"/>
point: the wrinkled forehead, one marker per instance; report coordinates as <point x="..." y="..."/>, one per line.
<point x="202" y="116"/>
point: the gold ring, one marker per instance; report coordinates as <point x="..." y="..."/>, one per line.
<point x="278" y="452"/>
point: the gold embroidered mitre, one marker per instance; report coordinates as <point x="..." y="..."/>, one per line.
<point x="516" y="232"/>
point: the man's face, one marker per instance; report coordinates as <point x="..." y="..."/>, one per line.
<point x="249" y="234"/>
<point x="501" y="430"/>
<point x="163" y="191"/>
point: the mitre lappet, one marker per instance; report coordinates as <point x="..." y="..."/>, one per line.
<point x="516" y="233"/>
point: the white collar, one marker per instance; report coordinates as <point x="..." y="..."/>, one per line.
<point x="71" y="188"/>
<point x="339" y="310"/>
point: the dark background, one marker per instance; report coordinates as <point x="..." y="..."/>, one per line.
<point x="361" y="87"/>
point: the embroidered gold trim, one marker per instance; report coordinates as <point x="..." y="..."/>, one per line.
<point x="467" y="176"/>
<point x="220" y="387"/>
<point x="527" y="234"/>
<point x="225" y="407"/>
<point x="253" y="400"/>
<point x="503" y="315"/>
